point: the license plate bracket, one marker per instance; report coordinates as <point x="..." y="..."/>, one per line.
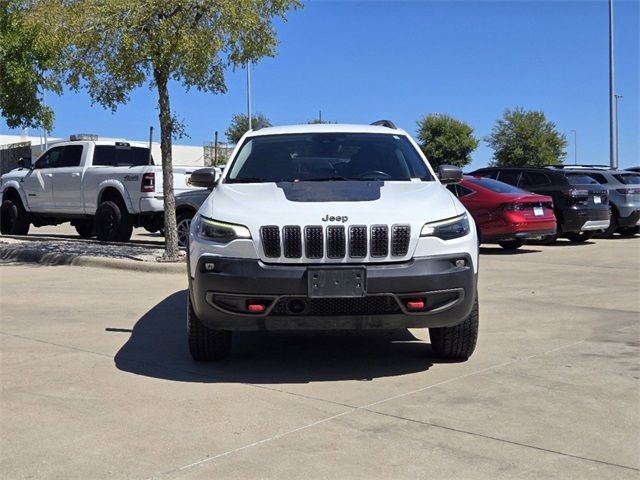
<point x="336" y="282"/>
<point x="597" y="200"/>
<point x="538" y="211"/>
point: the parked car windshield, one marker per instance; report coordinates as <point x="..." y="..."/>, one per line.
<point x="494" y="185"/>
<point x="327" y="156"/>
<point x="580" y="179"/>
<point x="629" y="178"/>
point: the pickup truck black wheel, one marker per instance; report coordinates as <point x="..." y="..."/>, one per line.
<point x="85" y="228"/>
<point x="511" y="244"/>
<point x="113" y="223"/>
<point x="579" y="237"/>
<point x="206" y="344"/>
<point x="14" y="219"/>
<point x="183" y="223"/>
<point x="457" y="342"/>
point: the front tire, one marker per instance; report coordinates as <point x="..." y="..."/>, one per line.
<point x="205" y="344"/>
<point x="579" y="237"/>
<point x="511" y="244"/>
<point x="14" y="219"/>
<point x="183" y="224"/>
<point x="85" y="228"/>
<point x="613" y="226"/>
<point x="113" y="222"/>
<point x="457" y="342"/>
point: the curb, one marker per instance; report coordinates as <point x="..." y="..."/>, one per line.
<point x="27" y="255"/>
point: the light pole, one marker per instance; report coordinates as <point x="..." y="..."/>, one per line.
<point x="617" y="98"/>
<point x="575" y="147"/>
<point x="613" y="140"/>
<point x="249" y="93"/>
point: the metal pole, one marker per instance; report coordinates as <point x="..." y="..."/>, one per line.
<point x="150" y="162"/>
<point x="249" y="94"/>
<point x="613" y="140"/>
<point x="320" y="116"/>
<point x="215" y="149"/>
<point x="575" y="147"/>
<point x="44" y="103"/>
<point x="617" y="98"/>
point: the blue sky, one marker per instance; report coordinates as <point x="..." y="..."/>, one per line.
<point x="360" y="61"/>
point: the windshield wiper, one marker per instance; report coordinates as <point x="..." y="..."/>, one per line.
<point x="329" y="179"/>
<point x="247" y="180"/>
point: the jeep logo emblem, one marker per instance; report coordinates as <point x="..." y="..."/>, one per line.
<point x="342" y="219"/>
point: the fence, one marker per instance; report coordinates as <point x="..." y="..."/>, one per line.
<point x="11" y="153"/>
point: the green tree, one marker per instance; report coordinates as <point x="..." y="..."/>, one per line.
<point x="526" y="138"/>
<point x="240" y="125"/>
<point x="25" y="67"/>
<point x="446" y="140"/>
<point x="116" y="46"/>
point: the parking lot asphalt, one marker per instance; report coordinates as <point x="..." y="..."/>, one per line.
<point x="97" y="382"/>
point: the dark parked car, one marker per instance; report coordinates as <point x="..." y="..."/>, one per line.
<point x="505" y="214"/>
<point x="581" y="208"/>
<point x="623" y="189"/>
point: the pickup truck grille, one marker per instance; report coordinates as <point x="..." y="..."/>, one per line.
<point x="335" y="241"/>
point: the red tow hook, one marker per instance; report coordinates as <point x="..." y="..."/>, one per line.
<point x="415" y="304"/>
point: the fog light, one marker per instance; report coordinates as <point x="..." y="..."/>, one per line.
<point x="209" y="267"/>
<point x="461" y="263"/>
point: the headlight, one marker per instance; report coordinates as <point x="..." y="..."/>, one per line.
<point x="448" y="229"/>
<point x="220" y="232"/>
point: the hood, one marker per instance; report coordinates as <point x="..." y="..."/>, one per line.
<point x="331" y="203"/>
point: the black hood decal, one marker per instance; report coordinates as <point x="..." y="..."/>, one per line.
<point x="332" y="191"/>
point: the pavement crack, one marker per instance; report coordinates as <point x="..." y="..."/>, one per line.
<point x="503" y="440"/>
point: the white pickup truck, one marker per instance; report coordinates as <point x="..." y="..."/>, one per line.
<point x="103" y="187"/>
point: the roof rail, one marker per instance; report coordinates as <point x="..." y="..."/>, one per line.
<point x="385" y="123"/>
<point x="583" y="167"/>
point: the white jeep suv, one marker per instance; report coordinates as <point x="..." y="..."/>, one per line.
<point x="331" y="227"/>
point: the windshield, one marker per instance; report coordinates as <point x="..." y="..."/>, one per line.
<point x="629" y="178"/>
<point x="580" y="179"/>
<point x="494" y="185"/>
<point x="327" y="156"/>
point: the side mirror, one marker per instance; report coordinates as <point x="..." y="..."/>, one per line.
<point x="449" y="174"/>
<point x="205" y="178"/>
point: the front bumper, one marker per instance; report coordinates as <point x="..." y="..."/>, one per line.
<point x="220" y="292"/>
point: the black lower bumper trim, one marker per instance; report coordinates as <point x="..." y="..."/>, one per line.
<point x="220" y="296"/>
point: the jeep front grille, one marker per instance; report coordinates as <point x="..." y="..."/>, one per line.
<point x="292" y="241"/>
<point x="270" y="235"/>
<point x="335" y="242"/>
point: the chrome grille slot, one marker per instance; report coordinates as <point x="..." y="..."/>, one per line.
<point x="292" y="241"/>
<point x="270" y="235"/>
<point x="335" y="241"/>
<point x="379" y="241"/>
<point x="400" y="237"/>
<point x="314" y="242"/>
<point x="357" y="241"/>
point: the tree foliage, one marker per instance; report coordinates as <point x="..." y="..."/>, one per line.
<point x="526" y="138"/>
<point x="446" y="140"/>
<point x="25" y="67"/>
<point x="240" y="125"/>
<point x="116" y="46"/>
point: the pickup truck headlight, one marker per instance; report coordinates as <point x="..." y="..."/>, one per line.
<point x="448" y="229"/>
<point x="221" y="232"/>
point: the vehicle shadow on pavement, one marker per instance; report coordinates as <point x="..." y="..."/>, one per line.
<point x="157" y="348"/>
<point x="502" y="251"/>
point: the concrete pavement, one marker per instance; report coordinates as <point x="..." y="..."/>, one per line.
<point x="97" y="382"/>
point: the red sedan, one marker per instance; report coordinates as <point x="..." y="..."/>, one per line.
<point x="505" y="214"/>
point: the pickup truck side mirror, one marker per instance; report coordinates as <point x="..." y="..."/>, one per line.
<point x="22" y="164"/>
<point x="205" y="178"/>
<point x="448" y="174"/>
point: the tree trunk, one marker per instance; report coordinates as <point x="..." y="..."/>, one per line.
<point x="171" y="252"/>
